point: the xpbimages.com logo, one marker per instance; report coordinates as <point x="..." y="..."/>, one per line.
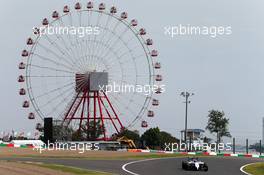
<point x="212" y="147"/>
<point x="130" y="88"/>
<point x="58" y="146"/>
<point x="67" y="30"/>
<point x="189" y="30"/>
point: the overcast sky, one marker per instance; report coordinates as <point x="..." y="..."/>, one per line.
<point x="225" y="73"/>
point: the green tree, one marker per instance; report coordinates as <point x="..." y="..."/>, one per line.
<point x="133" y="135"/>
<point x="61" y="132"/>
<point x="156" y="139"/>
<point x="207" y="140"/>
<point x="90" y="133"/>
<point x="218" y="123"/>
<point x="166" y="138"/>
<point x="95" y="130"/>
<point x="151" y="138"/>
<point x="77" y="136"/>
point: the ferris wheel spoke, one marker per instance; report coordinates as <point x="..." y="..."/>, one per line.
<point x="114" y="74"/>
<point x="69" y="57"/>
<point x="52" y="61"/>
<point x="113" y="31"/>
<point x="134" y="63"/>
<point x="95" y="36"/>
<point x="117" y="110"/>
<point x="51" y="68"/>
<point x="78" y="45"/>
<point x="102" y="35"/>
<point x="69" y="65"/>
<point x="126" y="60"/>
<point x="117" y="40"/>
<point x="63" y="101"/>
<point x="134" y="122"/>
<point x="130" y="40"/>
<point x="88" y="47"/>
<point x="123" y="54"/>
<point x="127" y="52"/>
<point x="71" y="24"/>
<point x="52" y="99"/>
<point x="49" y="76"/>
<point x="63" y="53"/>
<point x="132" y="102"/>
<point x="87" y="51"/>
<point x="138" y="94"/>
<point x="130" y="51"/>
<point x="121" y="63"/>
<point x="93" y="56"/>
<point x="142" y="95"/>
<point x="69" y="37"/>
<point x="53" y="90"/>
<point x="119" y="59"/>
<point x="113" y="64"/>
<point x="125" y="106"/>
<point x="81" y="45"/>
<point x="69" y="49"/>
<point x="80" y="18"/>
<point x="84" y="45"/>
<point x="52" y="84"/>
<point x="104" y="53"/>
<point x="96" y="55"/>
<point x="115" y="71"/>
<point x="125" y="82"/>
<point x="108" y="47"/>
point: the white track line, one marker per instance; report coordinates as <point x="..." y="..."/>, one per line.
<point x="138" y="161"/>
<point x="241" y="169"/>
<point x="129" y="163"/>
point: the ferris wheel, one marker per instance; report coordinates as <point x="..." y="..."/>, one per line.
<point x="57" y="70"/>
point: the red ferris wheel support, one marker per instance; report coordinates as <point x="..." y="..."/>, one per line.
<point x="92" y="109"/>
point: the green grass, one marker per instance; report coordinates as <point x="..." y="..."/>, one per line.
<point x="68" y="169"/>
<point x="255" y="169"/>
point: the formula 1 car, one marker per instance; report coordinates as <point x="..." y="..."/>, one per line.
<point x="194" y="164"/>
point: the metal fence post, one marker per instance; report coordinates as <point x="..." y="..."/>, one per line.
<point x="234" y="145"/>
<point x="260" y="149"/>
<point x="190" y="143"/>
<point x="247" y="146"/>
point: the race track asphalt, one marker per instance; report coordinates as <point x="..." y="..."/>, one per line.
<point x="217" y="166"/>
<point x="166" y="166"/>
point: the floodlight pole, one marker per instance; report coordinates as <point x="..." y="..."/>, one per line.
<point x="186" y="95"/>
<point x="186" y="118"/>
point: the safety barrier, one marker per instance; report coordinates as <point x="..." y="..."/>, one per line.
<point x="10" y="145"/>
<point x="197" y="153"/>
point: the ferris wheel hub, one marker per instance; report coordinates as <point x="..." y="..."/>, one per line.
<point x="91" y="81"/>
